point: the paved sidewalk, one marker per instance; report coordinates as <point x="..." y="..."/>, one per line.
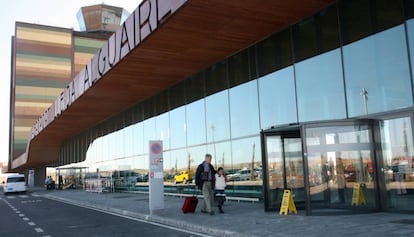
<point x="241" y="219"/>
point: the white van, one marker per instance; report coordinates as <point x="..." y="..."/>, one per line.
<point x="14" y="183"/>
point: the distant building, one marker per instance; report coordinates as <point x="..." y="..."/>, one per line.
<point x="46" y="58"/>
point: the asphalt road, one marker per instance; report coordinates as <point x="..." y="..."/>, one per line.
<point x="30" y="215"/>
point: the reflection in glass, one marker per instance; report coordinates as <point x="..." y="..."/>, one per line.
<point x="246" y="155"/>
<point x="150" y="133"/>
<point x="196" y="156"/>
<point x="178" y="128"/>
<point x="244" y="110"/>
<point x="320" y="88"/>
<point x="129" y="141"/>
<point x="285" y="169"/>
<point x="276" y="170"/>
<point x="398" y="168"/>
<point x="196" y="124"/>
<point x="138" y="130"/>
<point x="217" y="115"/>
<point x="179" y="160"/>
<point x="342" y="159"/>
<point x="277" y="98"/>
<point x="163" y="129"/>
<point x="377" y="73"/>
<point x="221" y="153"/>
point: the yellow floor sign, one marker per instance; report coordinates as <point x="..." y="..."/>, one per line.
<point x="358" y="197"/>
<point x="287" y="205"/>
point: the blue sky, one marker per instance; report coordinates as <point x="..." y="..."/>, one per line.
<point x="61" y="13"/>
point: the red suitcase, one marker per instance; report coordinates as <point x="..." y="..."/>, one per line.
<point x="190" y="204"/>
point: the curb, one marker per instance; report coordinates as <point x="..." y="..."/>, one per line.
<point x="152" y="218"/>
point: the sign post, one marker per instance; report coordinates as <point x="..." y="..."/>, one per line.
<point x="156" y="176"/>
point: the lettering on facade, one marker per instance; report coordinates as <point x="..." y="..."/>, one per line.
<point x="138" y="26"/>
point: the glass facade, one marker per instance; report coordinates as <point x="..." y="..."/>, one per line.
<point x="377" y="73"/>
<point x="319" y="82"/>
<point x="331" y="67"/>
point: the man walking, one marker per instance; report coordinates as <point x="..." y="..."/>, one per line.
<point x="204" y="181"/>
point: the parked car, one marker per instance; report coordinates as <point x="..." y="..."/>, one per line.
<point x="14" y="183"/>
<point x="241" y="175"/>
<point x="184" y="177"/>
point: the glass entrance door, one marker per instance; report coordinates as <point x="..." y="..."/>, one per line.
<point x="397" y="170"/>
<point x="340" y="156"/>
<point x="283" y="162"/>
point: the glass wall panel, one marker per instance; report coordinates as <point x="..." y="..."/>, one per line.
<point x="196" y="123"/>
<point x="177" y="95"/>
<point x="110" y="142"/>
<point x="274" y="52"/>
<point x="163" y="129"/>
<point x="221" y="153"/>
<point x="180" y="159"/>
<point x="178" y="127"/>
<point x="129" y="141"/>
<point x="240" y="68"/>
<point x="356" y="19"/>
<point x="328" y="29"/>
<point x="388" y="13"/>
<point x="138" y="135"/>
<point x="409" y="9"/>
<point x="217" y="115"/>
<point x="150" y="133"/>
<point x="195" y="87"/>
<point x="216" y="78"/>
<point x="377" y="73"/>
<point x="195" y="155"/>
<point x="246" y="154"/>
<point x="305" y="41"/>
<point x="244" y="111"/>
<point x="277" y="98"/>
<point x="320" y="89"/>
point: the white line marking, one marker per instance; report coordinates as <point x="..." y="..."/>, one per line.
<point x="21" y="215"/>
<point x="23" y="196"/>
<point x="26" y="219"/>
<point x="11" y="197"/>
<point x="39" y="230"/>
<point x="31" y="223"/>
<point x="47" y="236"/>
<point x="18" y="212"/>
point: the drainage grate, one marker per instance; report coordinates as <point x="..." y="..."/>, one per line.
<point x="404" y="221"/>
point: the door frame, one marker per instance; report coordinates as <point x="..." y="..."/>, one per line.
<point x="372" y="123"/>
<point x="294" y="131"/>
<point x="383" y="198"/>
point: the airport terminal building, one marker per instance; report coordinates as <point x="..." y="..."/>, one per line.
<point x="312" y="96"/>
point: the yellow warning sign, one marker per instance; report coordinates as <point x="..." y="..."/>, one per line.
<point x="287" y="205"/>
<point x="358" y="197"/>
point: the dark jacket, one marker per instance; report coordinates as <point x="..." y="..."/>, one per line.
<point x="200" y="169"/>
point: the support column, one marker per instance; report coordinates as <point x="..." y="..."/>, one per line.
<point x="39" y="176"/>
